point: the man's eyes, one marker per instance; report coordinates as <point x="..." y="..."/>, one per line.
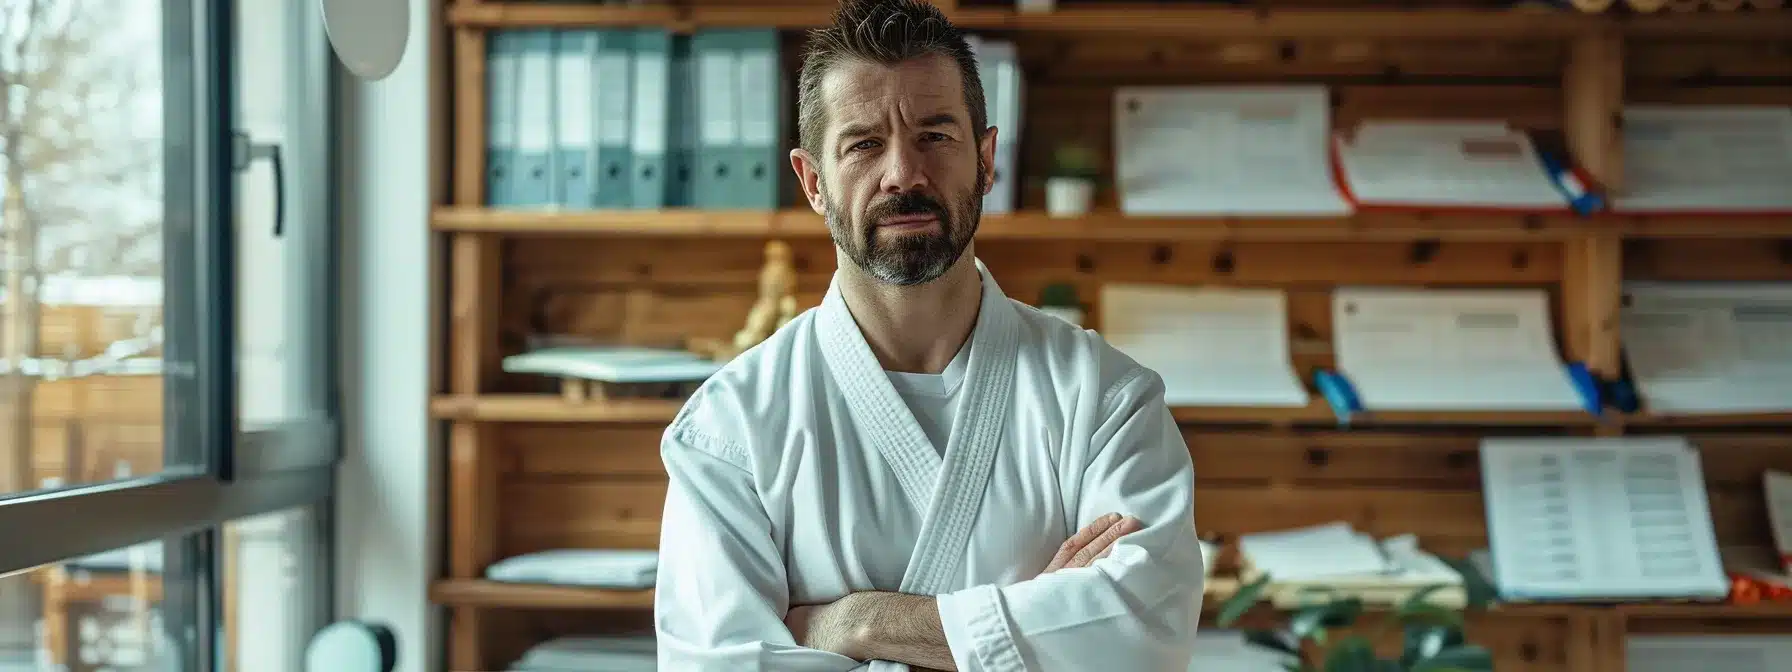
<point x="929" y="136"/>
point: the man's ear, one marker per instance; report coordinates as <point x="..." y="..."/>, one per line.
<point x="808" y="175"/>
<point x="986" y="148"/>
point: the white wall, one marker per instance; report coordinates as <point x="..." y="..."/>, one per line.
<point x="388" y="507"/>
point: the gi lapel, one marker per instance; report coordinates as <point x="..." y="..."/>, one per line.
<point x="983" y="414"/>
<point x="886" y="420"/>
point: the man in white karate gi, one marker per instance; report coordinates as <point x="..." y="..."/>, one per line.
<point x="921" y="472"/>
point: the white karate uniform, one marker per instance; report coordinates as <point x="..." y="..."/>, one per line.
<point x="799" y="475"/>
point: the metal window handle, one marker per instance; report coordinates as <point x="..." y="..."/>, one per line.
<point x="246" y="151"/>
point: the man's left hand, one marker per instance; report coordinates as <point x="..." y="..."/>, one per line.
<point x="833" y="627"/>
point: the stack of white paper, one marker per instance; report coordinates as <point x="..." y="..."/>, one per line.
<point x="1698" y="653"/>
<point x="581" y="654"/>
<point x="1241" y="151"/>
<point x="1448" y="164"/>
<point x="1466" y="350"/>
<point x="1321" y="551"/>
<point x="1212" y="346"/>
<point x="1709" y="348"/>
<point x="1706" y="158"/>
<point x="1599" y="518"/>
<point x="622" y="569"/>
<point x="614" y="364"/>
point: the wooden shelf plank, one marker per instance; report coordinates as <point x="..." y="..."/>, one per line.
<point x="498" y="594"/>
<point x="1096" y="226"/>
<point x="1689" y="226"/>
<point x="1650" y="421"/>
<point x="553" y="408"/>
<point x="1191" y="21"/>
<point x="550" y="408"/>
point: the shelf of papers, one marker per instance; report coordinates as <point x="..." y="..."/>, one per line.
<point x="1096" y="226"/>
<point x="1185" y="21"/>
<point x="482" y="593"/>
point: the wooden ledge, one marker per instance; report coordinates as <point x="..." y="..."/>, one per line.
<point x="1096" y="226"/>
<point x="498" y="594"/>
<point x="1208" y="22"/>
<point x="553" y="408"/>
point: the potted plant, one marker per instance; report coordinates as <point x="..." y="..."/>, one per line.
<point x="1432" y="635"/>
<point x="1071" y="186"/>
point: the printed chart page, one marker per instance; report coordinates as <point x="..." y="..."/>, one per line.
<point x="1699" y="348"/>
<point x="1225" y="151"/>
<point x="1446" y="164"/>
<point x="1467" y="350"/>
<point x="1599" y="518"/>
<point x="1706" y="158"/>
<point x="1212" y="346"/>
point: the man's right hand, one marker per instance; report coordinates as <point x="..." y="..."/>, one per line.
<point x="1093" y="542"/>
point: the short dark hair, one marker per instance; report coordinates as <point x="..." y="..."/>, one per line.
<point x="885" y="32"/>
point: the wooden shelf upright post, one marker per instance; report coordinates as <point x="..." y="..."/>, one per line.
<point x="1593" y="99"/>
<point x="472" y="352"/>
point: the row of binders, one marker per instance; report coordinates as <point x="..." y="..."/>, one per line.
<point x="634" y="118"/>
<point x="1689" y="349"/>
<point x="642" y="118"/>
<point x="1272" y="151"/>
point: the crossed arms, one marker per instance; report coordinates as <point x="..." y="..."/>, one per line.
<point x="1128" y="600"/>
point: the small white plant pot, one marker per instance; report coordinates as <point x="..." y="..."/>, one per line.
<point x="1068" y="196"/>
<point x="1036" y="6"/>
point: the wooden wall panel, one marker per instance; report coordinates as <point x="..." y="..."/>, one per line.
<point x="1696" y="259"/>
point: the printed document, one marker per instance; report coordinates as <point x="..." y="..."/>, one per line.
<point x="1225" y="151"/>
<point x="1709" y="347"/>
<point x="1446" y="164"/>
<point x="1702" y="653"/>
<point x="1706" y="158"/>
<point x="1599" y="518"/>
<point x="1212" y="346"/>
<point x="1777" y="488"/>
<point x="1432" y="349"/>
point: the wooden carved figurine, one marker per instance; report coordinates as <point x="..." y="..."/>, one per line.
<point x="775" y="306"/>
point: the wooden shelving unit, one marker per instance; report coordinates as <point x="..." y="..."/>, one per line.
<point x="532" y="471"/>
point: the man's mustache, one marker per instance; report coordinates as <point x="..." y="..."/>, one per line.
<point x="907" y="203"/>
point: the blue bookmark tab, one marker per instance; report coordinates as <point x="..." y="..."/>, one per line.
<point x="1588" y="386"/>
<point x="1582" y="199"/>
<point x="1339" y="394"/>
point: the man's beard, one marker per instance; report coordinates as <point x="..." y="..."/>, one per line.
<point x="908" y="259"/>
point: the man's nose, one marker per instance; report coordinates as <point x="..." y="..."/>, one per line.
<point x="903" y="170"/>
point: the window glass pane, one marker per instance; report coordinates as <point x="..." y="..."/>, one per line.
<point x="85" y="190"/>
<point x="282" y="234"/>
<point x="274" y="585"/>
<point x="100" y="612"/>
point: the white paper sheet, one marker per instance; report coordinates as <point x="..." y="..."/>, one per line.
<point x="1207" y="151"/>
<point x="1706" y="158"/>
<point x="1709" y="347"/>
<point x="1212" y="346"/>
<point x="1229" y="651"/>
<point x="1777" y="488"/>
<point x="1449" y="164"/>
<point x="1708" y="653"/>
<point x="1333" y="549"/>
<point x="1599" y="518"/>
<point x="1419" y="349"/>
<point x="614" y="364"/>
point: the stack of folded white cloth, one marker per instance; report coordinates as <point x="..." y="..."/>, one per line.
<point x="619" y="569"/>
<point x="586" y="654"/>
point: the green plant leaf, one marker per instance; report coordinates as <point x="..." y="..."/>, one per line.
<point x="1429" y="614"/>
<point x="1274" y="640"/>
<point x="1481" y="593"/>
<point x="1241" y="602"/>
<point x="1422" y="640"/>
<point x="1464" y="658"/>
<point x="1312" y="621"/>
<point x="1352" y="654"/>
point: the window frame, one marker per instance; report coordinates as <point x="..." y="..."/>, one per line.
<point x="218" y="471"/>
